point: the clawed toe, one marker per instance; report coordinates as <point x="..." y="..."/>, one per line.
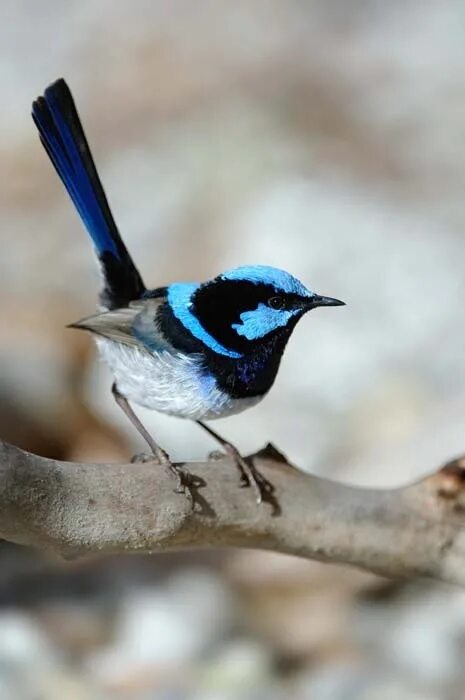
<point x="244" y="481"/>
<point x="157" y="457"/>
<point x="181" y="479"/>
<point x="144" y="457"/>
<point x="250" y="476"/>
<point x="186" y="483"/>
<point x="184" y="480"/>
<point x="265" y="485"/>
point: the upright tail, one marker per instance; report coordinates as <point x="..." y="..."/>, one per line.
<point x="63" y="138"/>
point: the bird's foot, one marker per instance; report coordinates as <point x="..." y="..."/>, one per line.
<point x="158" y="456"/>
<point x="216" y="455"/>
<point x="184" y="480"/>
<point x="251" y="477"/>
<point x="144" y="458"/>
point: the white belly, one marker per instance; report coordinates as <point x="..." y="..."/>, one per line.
<point x="170" y="383"/>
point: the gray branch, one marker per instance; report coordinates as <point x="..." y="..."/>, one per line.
<point x="76" y="509"/>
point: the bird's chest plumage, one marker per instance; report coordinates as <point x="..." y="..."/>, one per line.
<point x="249" y="376"/>
<point x="171" y="382"/>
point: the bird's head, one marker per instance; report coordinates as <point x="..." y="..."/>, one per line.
<point x="244" y="307"/>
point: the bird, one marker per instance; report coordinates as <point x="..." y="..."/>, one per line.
<point x="199" y="351"/>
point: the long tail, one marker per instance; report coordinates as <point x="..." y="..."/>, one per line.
<point x="63" y="138"/>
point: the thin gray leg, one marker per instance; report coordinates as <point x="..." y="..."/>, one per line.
<point x="123" y="403"/>
<point x="158" y="452"/>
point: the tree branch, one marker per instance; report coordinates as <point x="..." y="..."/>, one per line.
<point x="77" y="509"/>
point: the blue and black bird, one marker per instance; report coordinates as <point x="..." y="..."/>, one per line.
<point x="192" y="350"/>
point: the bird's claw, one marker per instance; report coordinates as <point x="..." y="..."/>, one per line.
<point x="244" y="481"/>
<point x="250" y="476"/>
<point x="266" y="486"/>
<point x="186" y="482"/>
<point x="144" y="458"/>
<point x="158" y="456"/>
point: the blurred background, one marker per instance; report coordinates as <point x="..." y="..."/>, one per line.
<point x="327" y="138"/>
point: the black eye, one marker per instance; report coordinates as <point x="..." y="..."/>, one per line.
<point x="276" y="302"/>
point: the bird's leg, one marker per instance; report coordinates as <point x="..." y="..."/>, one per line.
<point x="158" y="452"/>
<point x="250" y="476"/>
<point x="123" y="403"/>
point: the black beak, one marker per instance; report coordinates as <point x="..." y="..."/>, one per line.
<point x="318" y="300"/>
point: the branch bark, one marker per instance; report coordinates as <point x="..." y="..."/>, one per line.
<point x="77" y="509"/>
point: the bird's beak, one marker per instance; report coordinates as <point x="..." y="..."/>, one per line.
<point x="318" y="300"/>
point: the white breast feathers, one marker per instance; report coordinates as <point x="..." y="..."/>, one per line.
<point x="169" y="381"/>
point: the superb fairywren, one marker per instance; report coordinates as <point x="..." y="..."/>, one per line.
<point x="198" y="351"/>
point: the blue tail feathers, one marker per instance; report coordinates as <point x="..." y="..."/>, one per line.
<point x="63" y="138"/>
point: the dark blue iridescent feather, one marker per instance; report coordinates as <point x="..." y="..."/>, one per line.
<point x="63" y="137"/>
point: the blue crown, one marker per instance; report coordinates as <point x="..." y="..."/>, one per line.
<point x="265" y="274"/>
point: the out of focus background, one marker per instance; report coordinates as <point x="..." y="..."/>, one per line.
<point x="327" y="138"/>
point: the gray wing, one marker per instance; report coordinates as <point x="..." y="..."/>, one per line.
<point x="128" y="325"/>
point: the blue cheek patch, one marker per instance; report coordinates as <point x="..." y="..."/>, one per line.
<point x="261" y="321"/>
<point x="179" y="298"/>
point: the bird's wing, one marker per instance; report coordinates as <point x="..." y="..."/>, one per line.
<point x="126" y="325"/>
